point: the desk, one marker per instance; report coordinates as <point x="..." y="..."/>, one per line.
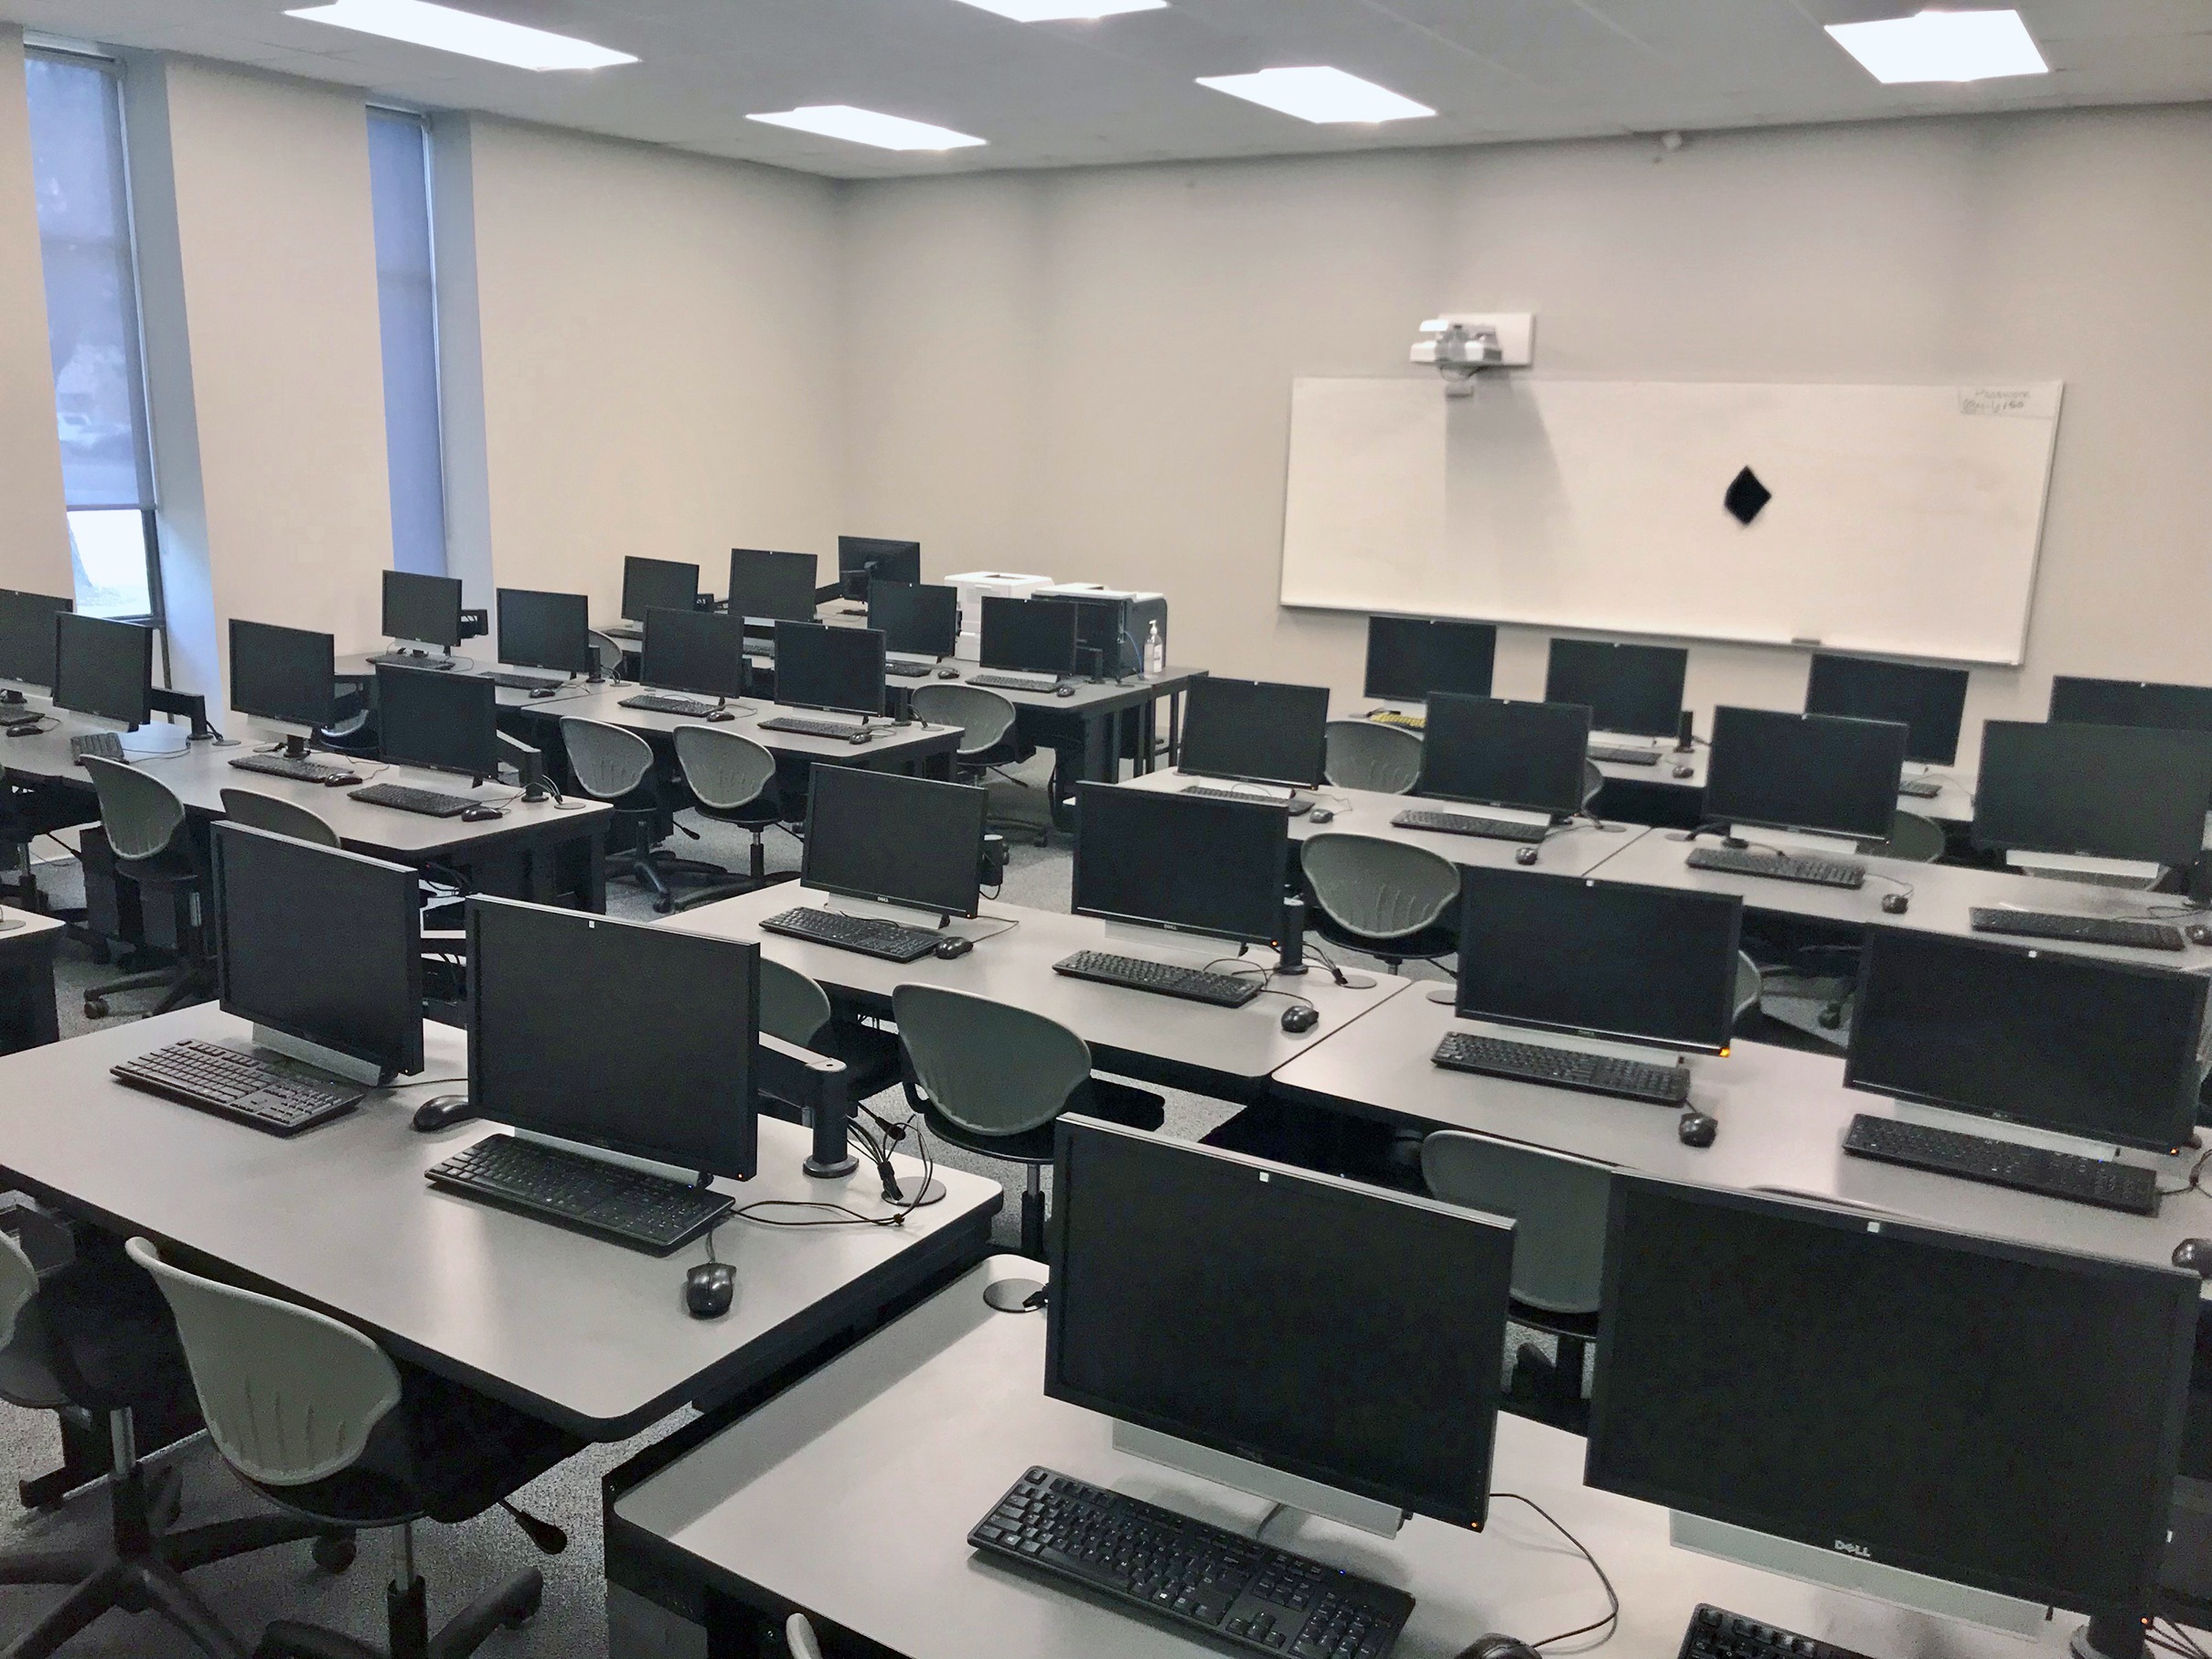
<point x="850" y="1495"/>
<point x="27" y="980"/>
<point x="584" y="1334"/>
<point x="355" y="666"/>
<point x="927" y="749"/>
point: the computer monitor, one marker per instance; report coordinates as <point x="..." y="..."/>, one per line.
<point x="425" y="609"/>
<point x="2129" y="702"/>
<point x="1255" y="731"/>
<point x="1183" y="863"/>
<point x="899" y="840"/>
<point x="702" y="652"/>
<point x="448" y="722"/>
<point x="2118" y="792"/>
<point x="2105" y="1049"/>
<point x="1978" y="1411"/>
<point x="636" y="1039"/>
<point x="1029" y="635"/>
<point x="1593" y="958"/>
<point x="1813" y="772"/>
<point x="1408" y="658"/>
<point x="540" y="630"/>
<point x="771" y="587"/>
<point x="27" y="635"/>
<point x="1331" y="1330"/>
<point x="864" y="560"/>
<point x="818" y="666"/>
<point x="322" y="948"/>
<point x="285" y="675"/>
<point x="1928" y="702"/>
<point x="658" y="584"/>
<point x="104" y="668"/>
<point x="915" y="621"/>
<point x="1106" y="644"/>
<point x="1486" y="750"/>
<point x="1635" y="690"/>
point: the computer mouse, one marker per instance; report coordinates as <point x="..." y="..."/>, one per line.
<point x="480" y="815"/>
<point x="2198" y="934"/>
<point x="341" y="780"/>
<point x="1063" y="690"/>
<point x="1694" y="1127"/>
<point x="541" y="693"/>
<point x="1321" y="814"/>
<point x="716" y="716"/>
<point x="443" y="1111"/>
<point x="861" y="736"/>
<point x="953" y="949"/>
<point x="1300" y="1017"/>
<point x="1524" y="855"/>
<point x="1896" y="904"/>
<point x="1685" y="771"/>
<point x="1494" y="1646"/>
<point x="948" y="673"/>
<point x="2195" y="1256"/>
<point x="10" y="696"/>
<point x="710" y="1288"/>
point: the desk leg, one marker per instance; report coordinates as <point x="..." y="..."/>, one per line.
<point x="1174" y="730"/>
<point x="1147" y="735"/>
<point x="27" y="1017"/>
<point x="593" y="887"/>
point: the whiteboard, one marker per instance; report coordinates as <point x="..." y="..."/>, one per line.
<point x="1903" y="520"/>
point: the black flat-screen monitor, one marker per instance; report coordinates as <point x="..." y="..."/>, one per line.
<point x="2120" y="792"/>
<point x="286" y="675"/>
<point x="771" y="587"/>
<point x="1029" y="635"/>
<point x="863" y="560"/>
<point x="1976" y="1411"/>
<point x="1928" y="702"/>
<point x="322" y="945"/>
<point x="540" y="630"/>
<point x="1182" y="861"/>
<point x="446" y="721"/>
<point x="1408" y="658"/>
<point x="1815" y="772"/>
<point x="915" y="621"/>
<point x="658" y="584"/>
<point x="1255" y="731"/>
<point x="702" y="652"/>
<point x="104" y="668"/>
<point x="1221" y="1298"/>
<point x="424" y="609"/>
<point x="1569" y="953"/>
<point x="900" y="841"/>
<point x="27" y="635"/>
<point x="615" y="1034"/>
<point x="2129" y="702"/>
<point x="1635" y="690"/>
<point x="1486" y="750"/>
<point x="2104" y="1050"/>
<point x="818" y="666"/>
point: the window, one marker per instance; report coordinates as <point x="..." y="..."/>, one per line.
<point x="407" y="303"/>
<point x="91" y="308"/>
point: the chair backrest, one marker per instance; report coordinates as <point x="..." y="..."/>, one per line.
<point x="1911" y="837"/>
<point x="607" y="650"/>
<point x="607" y="761"/>
<point x="799" y="1636"/>
<point x="983" y="716"/>
<point x="1558" y="1203"/>
<point x="140" y="814"/>
<point x="18" y="1285"/>
<point x="1369" y="754"/>
<point x="793" y="1007"/>
<point x="290" y="1396"/>
<point x="1383" y="890"/>
<point x="993" y="1068"/>
<point x="1749" y="985"/>
<point x="1593" y="780"/>
<point x="723" y="770"/>
<point x="278" y="815"/>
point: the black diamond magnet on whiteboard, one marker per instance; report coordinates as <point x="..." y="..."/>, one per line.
<point x="1747" y="495"/>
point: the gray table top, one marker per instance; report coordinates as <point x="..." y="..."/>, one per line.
<point x="585" y="1333"/>
<point x="357" y="665"/>
<point x="1015" y="966"/>
<point x="851" y="1494"/>
<point x="18" y="925"/>
<point x="892" y="746"/>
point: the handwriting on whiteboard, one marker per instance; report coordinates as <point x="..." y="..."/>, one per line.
<point x="2036" y="403"/>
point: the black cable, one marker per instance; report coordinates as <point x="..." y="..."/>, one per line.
<point x="2197" y="1173"/>
<point x="1612" y="1596"/>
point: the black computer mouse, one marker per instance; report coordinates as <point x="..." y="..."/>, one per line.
<point x="1494" y="1646"/>
<point x="710" y="1288"/>
<point x="1300" y="1017"/>
<point x="443" y="1111"/>
<point x="1685" y="771"/>
<point x="716" y="716"/>
<point x="10" y="696"/>
<point x="1063" y="690"/>
<point x="542" y="691"/>
<point x="1524" y="855"/>
<point x="341" y="780"/>
<point x="481" y="815"/>
<point x="2195" y="1256"/>
<point x="953" y="949"/>
<point x="1694" y="1127"/>
<point x="1321" y="814"/>
<point x="1896" y="904"/>
<point x="2198" y="934"/>
<point x="948" y="673"/>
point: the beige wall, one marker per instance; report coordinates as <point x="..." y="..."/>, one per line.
<point x="1087" y="372"/>
<point x="34" y="536"/>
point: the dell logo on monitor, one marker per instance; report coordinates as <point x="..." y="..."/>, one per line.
<point x="1849" y="1548"/>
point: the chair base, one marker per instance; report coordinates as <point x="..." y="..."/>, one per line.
<point x="655" y="871"/>
<point x="509" y="1605"/>
<point x="734" y="889"/>
<point x="186" y="982"/>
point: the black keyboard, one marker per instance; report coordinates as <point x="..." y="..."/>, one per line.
<point x="1296" y="805"/>
<point x="653" y="703"/>
<point x="1624" y="755"/>
<point x="1564" y="1068"/>
<point x="428" y="802"/>
<point x="818" y="728"/>
<point x="645" y="1212"/>
<point x="1467" y="823"/>
<point x="892" y="941"/>
<point x="2030" y="1169"/>
<point x="299" y="771"/>
<point x="238" y="1085"/>
<point x="401" y="660"/>
<point x="1715" y="1633"/>
<point x="1781" y="867"/>
<point x="525" y="682"/>
<point x="1015" y="682"/>
<point x="1919" y="789"/>
<point x="1253" y="1597"/>
<point x="1136" y="973"/>
<point x="2082" y="930"/>
<point x="909" y="670"/>
<point x="99" y="745"/>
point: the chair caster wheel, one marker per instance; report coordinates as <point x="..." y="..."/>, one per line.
<point x="1831" y="1017"/>
<point x="334" y="1552"/>
<point x="95" y="1007"/>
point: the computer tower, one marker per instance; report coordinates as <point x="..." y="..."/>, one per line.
<point x="1140" y="613"/>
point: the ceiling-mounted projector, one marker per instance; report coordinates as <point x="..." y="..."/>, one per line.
<point x="1460" y="348"/>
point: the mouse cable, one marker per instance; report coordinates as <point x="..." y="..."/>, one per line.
<point x="2193" y="1184"/>
<point x="2181" y="1643"/>
<point x="393" y="1088"/>
<point x="1005" y="926"/>
<point x="1612" y="1596"/>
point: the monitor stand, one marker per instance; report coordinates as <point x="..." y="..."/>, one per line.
<point x="1239" y="1475"/>
<point x="2132" y="873"/>
<point x="621" y="1160"/>
<point x="151" y="742"/>
<point x="322" y="1059"/>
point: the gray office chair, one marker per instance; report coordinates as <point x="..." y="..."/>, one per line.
<point x="616" y="766"/>
<point x="732" y="781"/>
<point x="990" y="739"/>
<point x="1593" y="781"/>
<point x="319" y="1419"/>
<point x="1389" y="899"/>
<point x="797" y="1010"/>
<point x="278" y="815"/>
<point x="1558" y="1203"/>
<point x="606" y="651"/>
<point x="1749" y="983"/>
<point x="990" y="1078"/>
<point x="1369" y="755"/>
<point x="151" y="843"/>
<point x="1913" y="838"/>
<point x="799" y="1636"/>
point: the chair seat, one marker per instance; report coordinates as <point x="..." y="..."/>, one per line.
<point x="1423" y="944"/>
<point x="1134" y="1108"/>
<point x="871" y="1056"/>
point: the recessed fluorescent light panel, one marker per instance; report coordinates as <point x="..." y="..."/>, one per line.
<point x="419" y="23"/>
<point x="1067" y="11"/>
<point x="1942" y="45"/>
<point x="1319" y="94"/>
<point x="867" y="126"/>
